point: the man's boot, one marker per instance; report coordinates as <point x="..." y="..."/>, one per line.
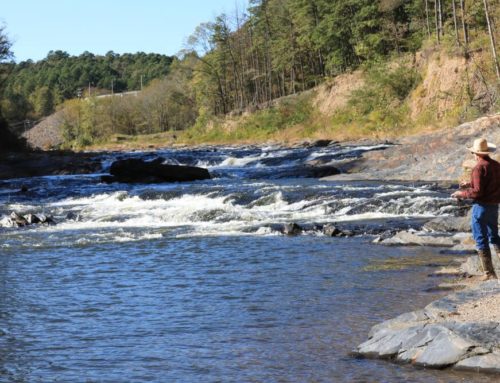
<point x="489" y="271"/>
<point x="497" y="250"/>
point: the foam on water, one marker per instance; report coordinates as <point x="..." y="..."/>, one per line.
<point x="221" y="212"/>
<point x="226" y="204"/>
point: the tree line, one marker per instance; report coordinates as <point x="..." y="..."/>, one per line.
<point x="33" y="89"/>
<point x="280" y="47"/>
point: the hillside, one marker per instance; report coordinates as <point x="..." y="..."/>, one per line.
<point x="445" y="90"/>
<point x="411" y="94"/>
<point x="288" y="70"/>
<point x="33" y="90"/>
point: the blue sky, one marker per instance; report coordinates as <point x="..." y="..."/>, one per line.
<point x="161" y="26"/>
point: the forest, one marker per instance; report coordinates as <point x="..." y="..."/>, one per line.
<point x="33" y="89"/>
<point x="244" y="61"/>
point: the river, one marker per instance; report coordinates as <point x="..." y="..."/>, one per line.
<point x="189" y="282"/>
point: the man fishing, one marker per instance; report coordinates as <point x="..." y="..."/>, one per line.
<point x="484" y="190"/>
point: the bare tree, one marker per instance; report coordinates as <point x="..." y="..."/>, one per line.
<point x="427" y="18"/>
<point x="436" y="19"/>
<point x="464" y="24"/>
<point x="455" y="24"/>
<point x="492" y="39"/>
<point x="440" y="13"/>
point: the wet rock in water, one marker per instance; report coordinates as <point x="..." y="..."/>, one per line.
<point x="308" y="171"/>
<point x="32" y="219"/>
<point x="331" y="231"/>
<point x="133" y="170"/>
<point x="24" y="189"/>
<point x="46" y="219"/>
<point x="291" y="229"/>
<point x="18" y="220"/>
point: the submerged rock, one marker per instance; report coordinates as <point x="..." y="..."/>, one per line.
<point x="136" y="170"/>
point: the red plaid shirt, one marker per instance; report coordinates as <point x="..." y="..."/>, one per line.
<point x="485" y="182"/>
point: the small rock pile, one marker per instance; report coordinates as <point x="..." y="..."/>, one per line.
<point x="18" y="220"/>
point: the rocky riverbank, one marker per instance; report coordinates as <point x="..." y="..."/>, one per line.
<point x="460" y="330"/>
<point x="433" y="156"/>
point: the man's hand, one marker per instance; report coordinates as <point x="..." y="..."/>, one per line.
<point x="457" y="195"/>
<point x="464" y="185"/>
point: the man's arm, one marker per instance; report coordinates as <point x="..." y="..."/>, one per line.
<point x="477" y="185"/>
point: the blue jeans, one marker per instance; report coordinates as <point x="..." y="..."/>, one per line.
<point x="485" y="225"/>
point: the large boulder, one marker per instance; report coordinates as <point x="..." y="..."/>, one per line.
<point x="137" y="170"/>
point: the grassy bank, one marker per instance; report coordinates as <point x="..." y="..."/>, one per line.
<point x="123" y="142"/>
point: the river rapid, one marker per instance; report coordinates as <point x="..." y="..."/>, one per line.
<point x="190" y="282"/>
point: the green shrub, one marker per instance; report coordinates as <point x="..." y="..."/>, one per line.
<point x="379" y="105"/>
<point x="258" y="126"/>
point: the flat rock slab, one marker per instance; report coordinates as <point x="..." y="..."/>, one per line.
<point x="449" y="224"/>
<point x="487" y="363"/>
<point x="406" y="238"/>
<point x="431" y="337"/>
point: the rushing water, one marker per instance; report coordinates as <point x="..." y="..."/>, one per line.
<point x="194" y="282"/>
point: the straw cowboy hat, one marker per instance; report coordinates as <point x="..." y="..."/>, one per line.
<point x="481" y="146"/>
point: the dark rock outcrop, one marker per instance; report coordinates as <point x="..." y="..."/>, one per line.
<point x="34" y="164"/>
<point x="133" y="170"/>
